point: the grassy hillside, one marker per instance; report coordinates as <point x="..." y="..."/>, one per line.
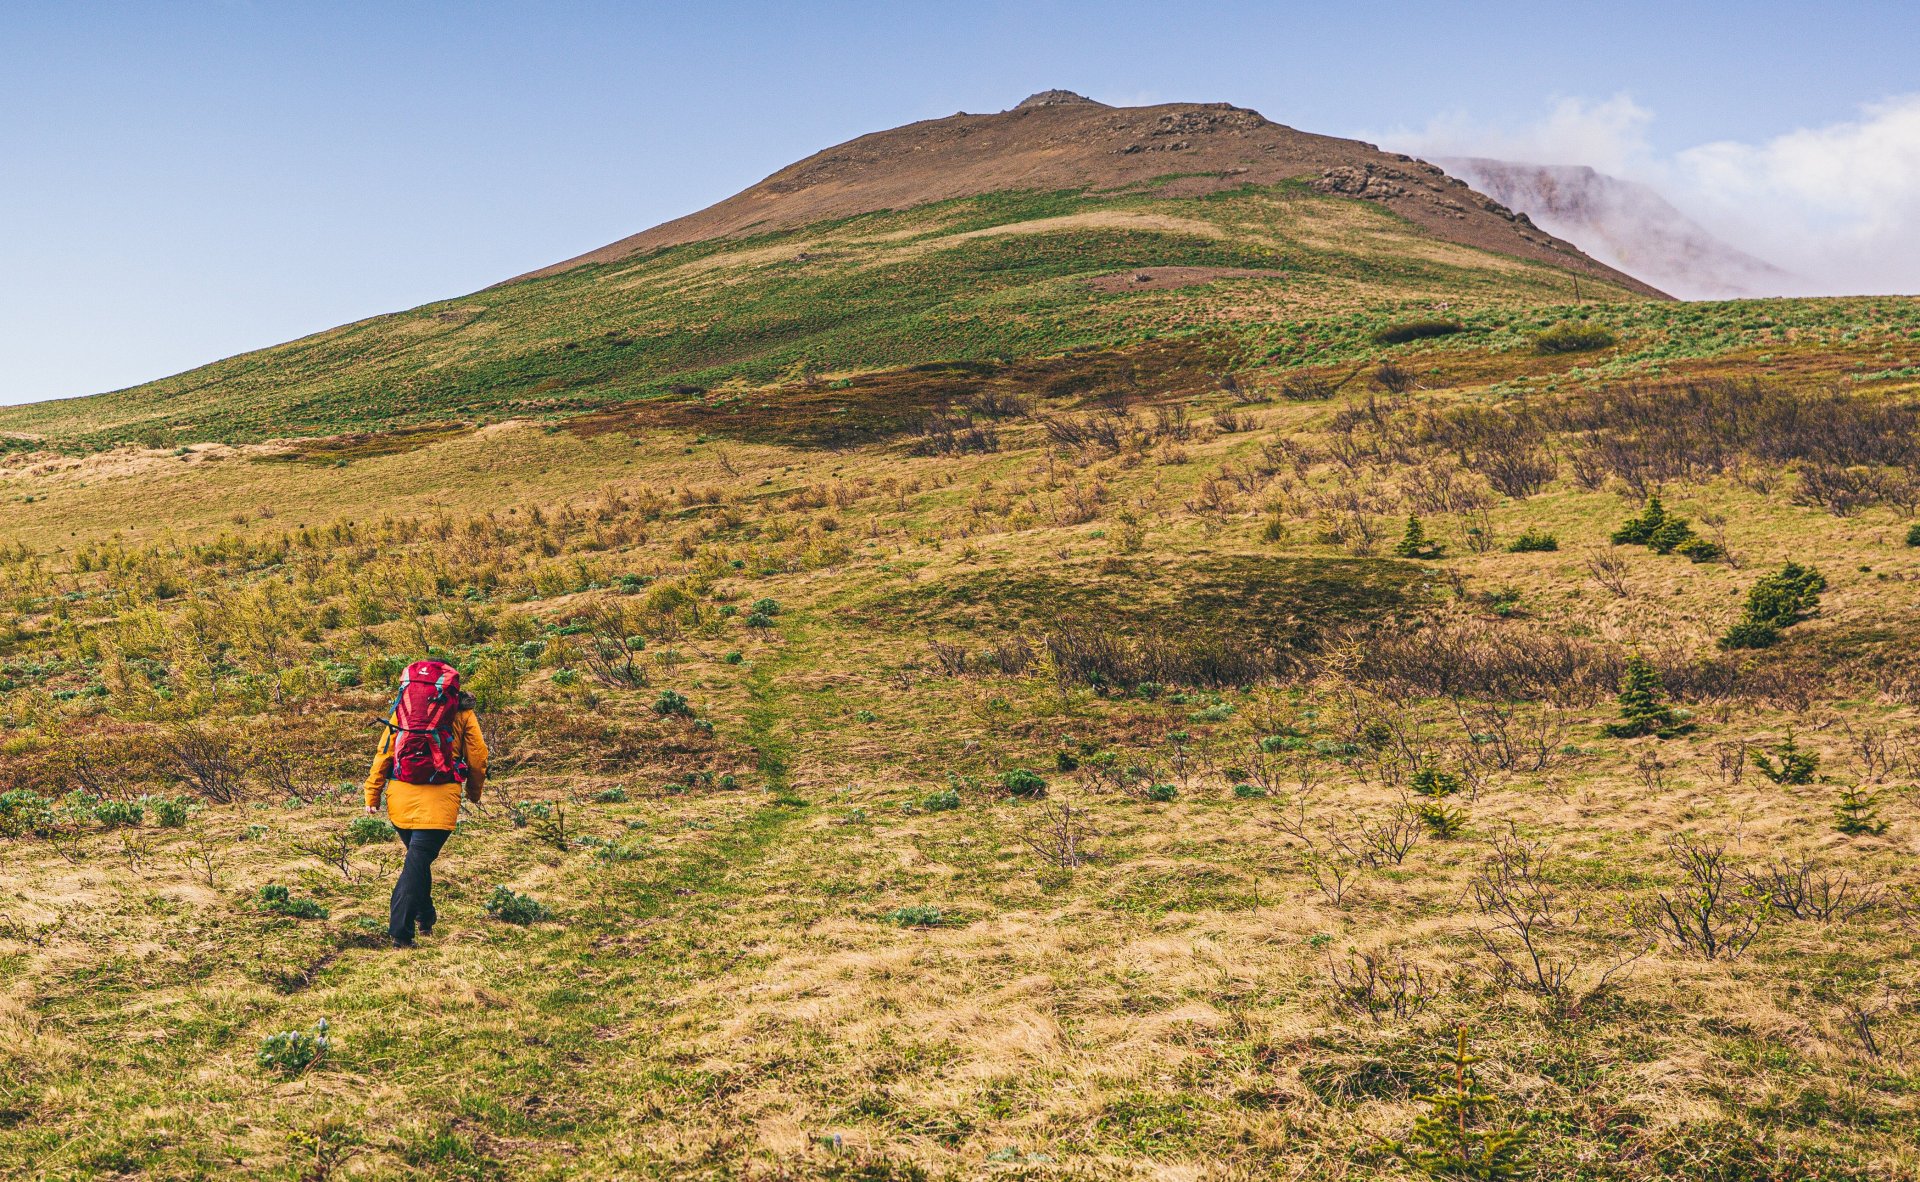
<point x="1311" y="806"/>
<point x="997" y="276"/>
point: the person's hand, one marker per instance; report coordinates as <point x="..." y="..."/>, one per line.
<point x="373" y="810"/>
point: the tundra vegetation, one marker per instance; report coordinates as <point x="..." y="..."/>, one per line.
<point x="1244" y="743"/>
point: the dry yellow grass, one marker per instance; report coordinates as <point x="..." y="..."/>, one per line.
<point x="727" y="996"/>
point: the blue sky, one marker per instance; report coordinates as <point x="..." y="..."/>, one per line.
<point x="182" y="181"/>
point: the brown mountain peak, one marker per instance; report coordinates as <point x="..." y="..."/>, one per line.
<point x="1058" y="140"/>
<point x="1055" y="98"/>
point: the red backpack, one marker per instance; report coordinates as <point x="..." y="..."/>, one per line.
<point x="422" y="724"/>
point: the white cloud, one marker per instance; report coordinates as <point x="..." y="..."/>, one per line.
<point x="1837" y="205"/>
<point x="1609" y="136"/>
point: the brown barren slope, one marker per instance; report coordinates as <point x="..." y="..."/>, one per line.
<point x="1057" y="140"/>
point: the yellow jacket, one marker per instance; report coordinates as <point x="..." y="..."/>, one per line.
<point x="429" y="806"/>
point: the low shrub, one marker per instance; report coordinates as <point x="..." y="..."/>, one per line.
<point x="613" y="795"/>
<point x="1572" y="337"/>
<point x="277" y="900"/>
<point x="915" y="917"/>
<point x="24" y="811"/>
<point x="1023" y="783"/>
<point x="1248" y="791"/>
<point x="1416" y="330"/>
<point x="671" y="702"/>
<point x="1533" y="541"/>
<point x="943" y="801"/>
<point x="368" y="829"/>
<point x="169" y="812"/>
<point x="1163" y="793"/>
<point x="291" y="1052"/>
<point x="524" y="812"/>
<point x="115" y="813"/>
<point x="508" y="906"/>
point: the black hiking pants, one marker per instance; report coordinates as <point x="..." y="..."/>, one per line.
<point x="413" y="894"/>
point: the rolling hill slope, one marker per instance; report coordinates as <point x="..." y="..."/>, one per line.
<point x="1053" y="226"/>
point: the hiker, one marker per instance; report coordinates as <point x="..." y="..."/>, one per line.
<point x="431" y="746"/>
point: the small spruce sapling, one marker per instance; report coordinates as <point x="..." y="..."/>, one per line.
<point x="1642" y="710"/>
<point x="1793" y="766"/>
<point x="1443" y="822"/>
<point x="1779" y="600"/>
<point x="1435" y="783"/>
<point x="1454" y="1138"/>
<point x="1636" y="530"/>
<point x="1415" y="543"/>
<point x="1857" y="814"/>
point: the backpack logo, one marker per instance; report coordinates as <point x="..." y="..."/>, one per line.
<point x="422" y="724"/>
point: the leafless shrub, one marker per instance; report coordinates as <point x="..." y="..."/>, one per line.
<point x="1109" y="434"/>
<point x="334" y="848"/>
<point x="1866" y="1019"/>
<point x="1875" y="750"/>
<point x="1798" y="888"/>
<point x="1609" y="569"/>
<point x="284" y="772"/>
<point x="1171" y="422"/>
<point x="954" y="435"/>
<point x="1011" y="657"/>
<point x="1239" y="390"/>
<point x="612" y="648"/>
<point x="1333" y="874"/>
<point x="1652" y="770"/>
<point x="1000" y="404"/>
<point x="1467" y="657"/>
<point x="1442" y="487"/>
<point x="1311" y="388"/>
<point x="1710" y="912"/>
<point x="1056" y="833"/>
<point x="1377" y="986"/>
<point x="951" y="658"/>
<point x="1651" y="434"/>
<point x="1392" y="378"/>
<point x="1388" y="841"/>
<point x="1097" y="657"/>
<point x="1529" y="925"/>
<point x="1231" y="422"/>
<point x="1512" y="736"/>
<point x="1842" y="492"/>
<point x="1730" y="756"/>
<point x="210" y="761"/>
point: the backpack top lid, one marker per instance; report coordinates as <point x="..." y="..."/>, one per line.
<point x="431" y="671"/>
